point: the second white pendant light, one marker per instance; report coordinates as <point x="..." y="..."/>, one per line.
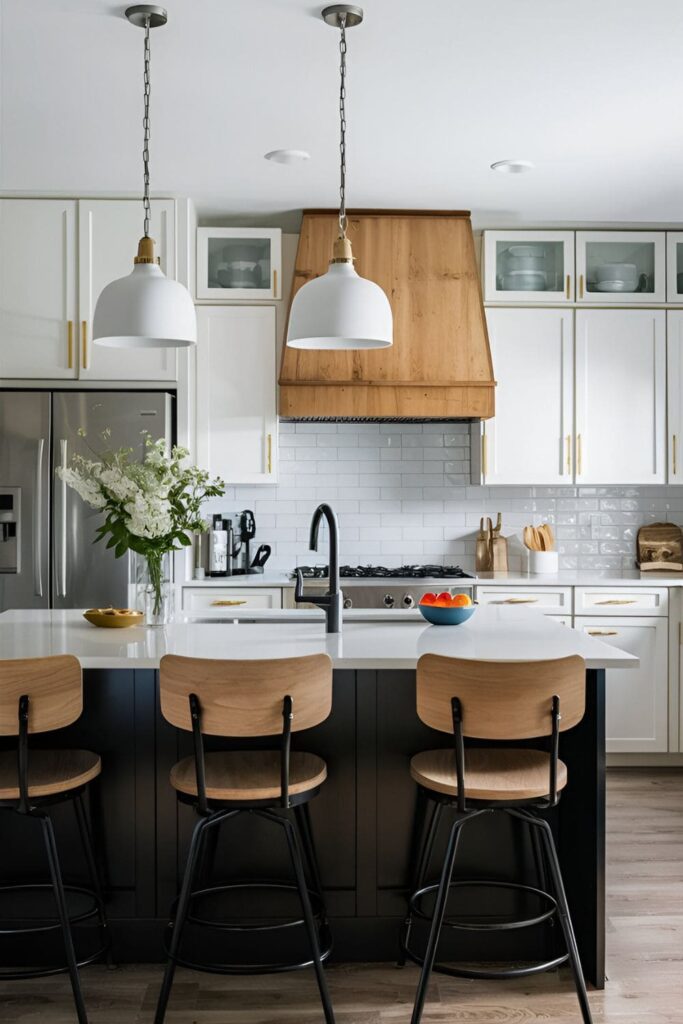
<point x="145" y="309"/>
<point x="341" y="310"/>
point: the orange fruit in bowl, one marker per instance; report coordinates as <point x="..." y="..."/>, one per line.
<point x="428" y="599"/>
<point x="443" y="599"/>
<point x="461" y="601"/>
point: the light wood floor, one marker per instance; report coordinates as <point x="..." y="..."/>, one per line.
<point x="645" y="955"/>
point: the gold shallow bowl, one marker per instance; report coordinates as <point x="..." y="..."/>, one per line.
<point x="113" y="618"/>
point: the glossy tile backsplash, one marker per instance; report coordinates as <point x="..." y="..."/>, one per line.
<point x="402" y="493"/>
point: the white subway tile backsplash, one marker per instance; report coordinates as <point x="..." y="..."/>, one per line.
<point x="402" y="492"/>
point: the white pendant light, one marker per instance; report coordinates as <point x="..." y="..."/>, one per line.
<point x="145" y="309"/>
<point x="340" y="310"/>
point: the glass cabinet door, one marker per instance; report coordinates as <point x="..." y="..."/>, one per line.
<point x="674" y="266"/>
<point x="620" y="267"/>
<point x="529" y="266"/>
<point x="238" y="263"/>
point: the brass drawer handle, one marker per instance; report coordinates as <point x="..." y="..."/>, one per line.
<point x="84" y="343"/>
<point x="580" y="286"/>
<point x="602" y="632"/>
<point x="275" y="283"/>
<point x="270" y="453"/>
<point x="619" y="600"/>
<point x="226" y="603"/>
<point x="517" y="600"/>
<point x="569" y="281"/>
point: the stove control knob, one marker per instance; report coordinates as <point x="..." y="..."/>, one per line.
<point x="389" y="600"/>
<point x="348" y="603"/>
<point x="408" y="601"/>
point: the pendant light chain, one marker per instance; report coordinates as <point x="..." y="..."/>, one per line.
<point x="342" y="120"/>
<point x="146" y="131"/>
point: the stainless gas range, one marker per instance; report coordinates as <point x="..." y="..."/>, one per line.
<point x="375" y="586"/>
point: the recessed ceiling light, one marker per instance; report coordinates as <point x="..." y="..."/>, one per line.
<point x="287" y="156"/>
<point x="512" y="166"/>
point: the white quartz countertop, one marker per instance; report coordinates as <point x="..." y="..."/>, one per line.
<point x="563" y="578"/>
<point x="493" y="633"/>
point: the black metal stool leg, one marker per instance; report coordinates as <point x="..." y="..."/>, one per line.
<point x="87" y="844"/>
<point x="420" y="870"/>
<point x="293" y="841"/>
<point x="565" y="919"/>
<point x="63" y="912"/>
<point x="437" y="920"/>
<point x="180" y="918"/>
<point x="208" y="855"/>
<point x="303" y="818"/>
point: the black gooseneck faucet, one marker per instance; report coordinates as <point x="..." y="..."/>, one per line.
<point x="331" y="602"/>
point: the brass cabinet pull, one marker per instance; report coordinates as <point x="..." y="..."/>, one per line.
<point x="603" y="632"/>
<point x="618" y="600"/>
<point x="270" y="453"/>
<point x="569" y="282"/>
<point x="569" y="454"/>
<point x="275" y="284"/>
<point x="674" y="445"/>
<point x="520" y="600"/>
<point x="70" y="344"/>
<point x="84" y="344"/>
<point x="484" y="456"/>
<point x="580" y="286"/>
<point x="579" y="456"/>
<point x="226" y="603"/>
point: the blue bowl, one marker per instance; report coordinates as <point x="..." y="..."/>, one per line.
<point x="446" y="616"/>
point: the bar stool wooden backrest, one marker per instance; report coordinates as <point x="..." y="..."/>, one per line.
<point x="495" y="700"/>
<point x="53" y="687"/>
<point x="245" y="698"/>
<point x="38" y="695"/>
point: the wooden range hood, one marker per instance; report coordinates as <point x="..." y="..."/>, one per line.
<point x="439" y="366"/>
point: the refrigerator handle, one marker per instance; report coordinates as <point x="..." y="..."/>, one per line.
<point x="60" y="526"/>
<point x="38" y="522"/>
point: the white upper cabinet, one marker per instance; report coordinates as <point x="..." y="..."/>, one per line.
<point x="236" y="393"/>
<point x="38" y="289"/>
<point x="530" y="438"/>
<point x="620" y="267"/>
<point x="674" y="383"/>
<point x="239" y="263"/>
<point x="109" y="230"/>
<point x="620" y="396"/>
<point x="529" y="266"/>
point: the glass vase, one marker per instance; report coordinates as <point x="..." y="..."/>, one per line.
<point x="151" y="587"/>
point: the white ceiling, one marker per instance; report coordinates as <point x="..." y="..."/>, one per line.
<point x="590" y="90"/>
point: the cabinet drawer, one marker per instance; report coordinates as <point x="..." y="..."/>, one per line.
<point x="621" y="601"/>
<point x="214" y="598"/>
<point x="549" y="600"/>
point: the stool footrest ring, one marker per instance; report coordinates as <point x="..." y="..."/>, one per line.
<point x="52" y="926"/>
<point x="493" y="974"/>
<point x="244" y="926"/>
<point x="482" y="926"/>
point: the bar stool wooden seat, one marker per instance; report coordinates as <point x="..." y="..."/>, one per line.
<point x="499" y="702"/>
<point x="40" y="695"/>
<point x="248" y="699"/>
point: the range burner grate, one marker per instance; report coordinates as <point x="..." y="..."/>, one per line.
<point x="414" y="572"/>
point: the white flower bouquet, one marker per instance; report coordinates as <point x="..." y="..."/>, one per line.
<point x="150" y="507"/>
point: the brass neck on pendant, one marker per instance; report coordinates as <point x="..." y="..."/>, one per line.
<point x="341" y="251"/>
<point x="146" y="251"/>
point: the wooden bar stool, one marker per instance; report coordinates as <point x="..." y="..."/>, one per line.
<point x="249" y="699"/>
<point x="39" y="695"/>
<point x="500" y="702"/>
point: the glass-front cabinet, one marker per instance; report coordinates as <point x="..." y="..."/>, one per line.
<point x="239" y="263"/>
<point x="674" y="266"/>
<point x="529" y="266"/>
<point x="620" y="267"/>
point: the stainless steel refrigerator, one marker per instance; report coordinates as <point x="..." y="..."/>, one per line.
<point x="47" y="555"/>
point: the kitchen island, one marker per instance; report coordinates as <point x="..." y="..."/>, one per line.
<point x="364" y="812"/>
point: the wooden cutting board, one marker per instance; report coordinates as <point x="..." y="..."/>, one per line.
<point x="660" y="546"/>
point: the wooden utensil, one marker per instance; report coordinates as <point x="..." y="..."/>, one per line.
<point x="483" y="550"/>
<point x="499" y="547"/>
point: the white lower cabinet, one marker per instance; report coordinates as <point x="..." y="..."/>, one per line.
<point x="215" y="599"/>
<point x="236" y="393"/>
<point x="637" y="698"/>
<point x="549" y="600"/>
